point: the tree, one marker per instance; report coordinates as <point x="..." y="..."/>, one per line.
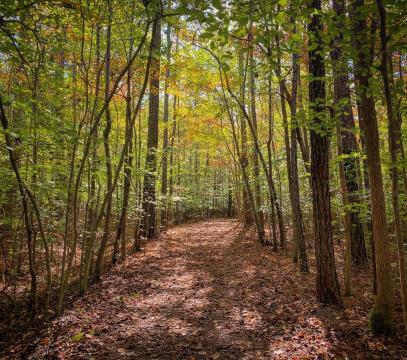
<point x="164" y="171"/>
<point x="381" y="320"/>
<point x="348" y="142"/>
<point x="148" y="224"/>
<point x="327" y="280"/>
<point x="395" y="152"/>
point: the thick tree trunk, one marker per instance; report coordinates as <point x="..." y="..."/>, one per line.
<point x="395" y="152"/>
<point x="327" y="280"/>
<point x="148" y="227"/>
<point x="381" y="320"/>
<point x="366" y="186"/>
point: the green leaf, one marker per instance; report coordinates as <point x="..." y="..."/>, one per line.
<point x="78" y="337"/>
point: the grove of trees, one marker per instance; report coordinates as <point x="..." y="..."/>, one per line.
<point x="123" y="118"/>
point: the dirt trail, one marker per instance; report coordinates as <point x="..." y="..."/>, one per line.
<point x="209" y="291"/>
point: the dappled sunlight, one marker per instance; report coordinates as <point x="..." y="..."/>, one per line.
<point x="246" y="270"/>
<point x="310" y="331"/>
<point x="199" y="302"/>
<point x="176" y="282"/>
<point x="203" y="180"/>
<point x="206" y="291"/>
<point x="252" y="319"/>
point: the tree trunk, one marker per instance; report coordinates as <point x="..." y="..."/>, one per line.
<point x="121" y="227"/>
<point x="327" y="280"/>
<point x="243" y="166"/>
<point x="381" y="319"/>
<point x="106" y="144"/>
<point x="291" y="158"/>
<point x="394" y="146"/>
<point x="26" y="211"/>
<point x="297" y="213"/>
<point x="366" y="186"/>
<point x="149" y="183"/>
<point x="164" y="168"/>
<point x="82" y="164"/>
<point x="349" y="146"/>
<point x="256" y="169"/>
<point x="269" y="155"/>
<point x="246" y="208"/>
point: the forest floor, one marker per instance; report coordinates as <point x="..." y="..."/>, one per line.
<point x="209" y="291"/>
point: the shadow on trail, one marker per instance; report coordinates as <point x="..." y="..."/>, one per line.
<point x="205" y="291"/>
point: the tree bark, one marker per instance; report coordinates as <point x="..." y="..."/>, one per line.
<point x="121" y="227"/>
<point x="343" y="112"/>
<point x="381" y="319"/>
<point x="246" y="208"/>
<point x="269" y="155"/>
<point x="297" y="213"/>
<point x="327" y="280"/>
<point x="256" y="169"/>
<point x="26" y="210"/>
<point x="148" y="227"/>
<point x="106" y="145"/>
<point x="164" y="167"/>
<point x="395" y="152"/>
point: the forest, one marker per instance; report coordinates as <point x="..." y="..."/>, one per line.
<point x="203" y="179"/>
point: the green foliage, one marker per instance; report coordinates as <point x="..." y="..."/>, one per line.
<point x="78" y="337"/>
<point x="52" y="87"/>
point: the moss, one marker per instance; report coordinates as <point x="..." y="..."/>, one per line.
<point x="380" y="323"/>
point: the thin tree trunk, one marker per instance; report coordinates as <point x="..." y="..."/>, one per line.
<point x="256" y="170"/>
<point x="347" y="221"/>
<point x="164" y="169"/>
<point x="297" y="213"/>
<point x="288" y="151"/>
<point x="81" y="168"/>
<point x="246" y="208"/>
<point x="243" y="167"/>
<point x="26" y="211"/>
<point x="269" y="155"/>
<point x="106" y="145"/>
<point x="270" y="181"/>
<point x="122" y="225"/>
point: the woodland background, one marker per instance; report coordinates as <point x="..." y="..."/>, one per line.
<point x="121" y="119"/>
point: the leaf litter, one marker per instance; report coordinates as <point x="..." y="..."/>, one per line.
<point x="208" y="290"/>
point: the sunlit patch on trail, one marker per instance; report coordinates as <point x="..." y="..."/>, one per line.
<point x="205" y="291"/>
